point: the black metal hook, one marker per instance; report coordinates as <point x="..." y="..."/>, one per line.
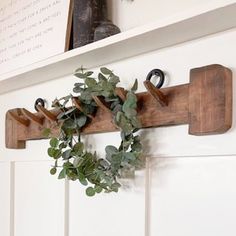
<point x="39" y="101"/>
<point x="158" y="73"/>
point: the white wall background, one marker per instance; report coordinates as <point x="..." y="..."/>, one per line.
<point x="128" y="14"/>
<point x="188" y="187"/>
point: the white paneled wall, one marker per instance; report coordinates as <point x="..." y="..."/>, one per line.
<point x="193" y="196"/>
<point x="5" y="200"/>
<point x="189" y="185"/>
<point x="124" y="212"/>
<point x="38" y="200"/>
<point x="131" y="13"/>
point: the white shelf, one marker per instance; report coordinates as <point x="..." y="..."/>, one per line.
<point x="192" y="25"/>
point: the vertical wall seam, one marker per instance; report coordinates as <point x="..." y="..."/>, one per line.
<point x="147" y="197"/>
<point x="66" y="208"/>
<point x="12" y="198"/>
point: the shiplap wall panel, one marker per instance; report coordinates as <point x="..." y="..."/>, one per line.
<point x="5" y="198"/>
<point x="193" y="196"/>
<point x="113" y="214"/>
<point x="39" y="200"/>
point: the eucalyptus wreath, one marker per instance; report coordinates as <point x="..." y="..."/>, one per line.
<point x="70" y="155"/>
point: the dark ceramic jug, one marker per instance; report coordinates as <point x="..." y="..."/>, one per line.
<point x="86" y="17"/>
<point x="106" y="28"/>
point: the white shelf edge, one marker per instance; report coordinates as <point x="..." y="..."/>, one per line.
<point x="181" y="28"/>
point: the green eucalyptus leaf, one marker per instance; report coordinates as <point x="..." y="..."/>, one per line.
<point x="101" y="77"/>
<point x="70" y="111"/>
<point x="116" y="159"/>
<point x="135" y="122"/>
<point x="128" y="173"/>
<point x="86" y="96"/>
<point x="129" y="156"/>
<point x="88" y="73"/>
<point x="122" y="135"/>
<point x="109" y="180"/>
<point x="51" y="152"/>
<point x="98" y="189"/>
<point x="111" y="149"/>
<point x="105" y="71"/>
<point x="72" y="174"/>
<point x="66" y="154"/>
<point x="62" y="174"/>
<point x="69" y="124"/>
<point x="129" y="112"/>
<point x="46" y="132"/>
<point x="61" y="116"/>
<point x="77" y="89"/>
<point x="80" y="75"/>
<point x="103" y="163"/>
<point x="90" y="192"/>
<point x="106" y="93"/>
<point x="90" y="82"/>
<point x="79" y="84"/>
<point x="119" y="114"/>
<point x="62" y="145"/>
<point x="68" y="165"/>
<point x="55" y="153"/>
<point x="124" y="123"/>
<point x="77" y="162"/>
<point x="54" y="142"/>
<point x="66" y="98"/>
<point x="131" y="101"/>
<point x="78" y="148"/>
<point x="80" y="69"/>
<point x="115" y="187"/>
<point x="81" y="120"/>
<point x="53" y="171"/>
<point x="56" y="103"/>
<point x="114" y="79"/>
<point x="137" y="147"/>
<point x="135" y="86"/>
<point x="82" y="179"/>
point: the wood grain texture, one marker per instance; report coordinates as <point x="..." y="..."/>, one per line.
<point x="156" y="93"/>
<point x="29" y="115"/>
<point x="205" y="104"/>
<point x="210" y="100"/>
<point x="11" y="133"/>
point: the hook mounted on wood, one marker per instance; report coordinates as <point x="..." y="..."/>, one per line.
<point x="16" y="115"/>
<point x="31" y="116"/>
<point x="46" y="113"/>
<point x="101" y="103"/>
<point x="155" y="91"/>
<point x="77" y="104"/>
<point x="39" y="106"/>
<point x="121" y="93"/>
<point x="205" y="104"/>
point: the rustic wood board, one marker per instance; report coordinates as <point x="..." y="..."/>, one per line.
<point x="210" y="96"/>
<point x="205" y="104"/>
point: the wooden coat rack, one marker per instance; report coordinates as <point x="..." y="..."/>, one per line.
<point x="205" y="104"/>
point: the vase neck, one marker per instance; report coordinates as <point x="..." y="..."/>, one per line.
<point x="104" y="11"/>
